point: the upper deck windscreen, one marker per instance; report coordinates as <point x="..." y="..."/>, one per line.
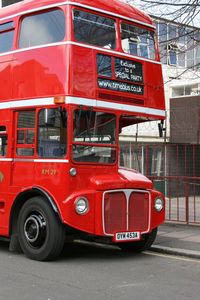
<point x="137" y="41"/>
<point x="94" y="29"/>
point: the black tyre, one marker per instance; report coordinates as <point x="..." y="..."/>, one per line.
<point x="41" y="234"/>
<point x="140" y="246"/>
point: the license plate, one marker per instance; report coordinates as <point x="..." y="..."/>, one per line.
<point x="126" y="236"/>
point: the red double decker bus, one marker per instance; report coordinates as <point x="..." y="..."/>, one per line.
<point x="72" y="75"/>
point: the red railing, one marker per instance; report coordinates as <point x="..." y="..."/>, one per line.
<point x="175" y="171"/>
<point x="182" y="198"/>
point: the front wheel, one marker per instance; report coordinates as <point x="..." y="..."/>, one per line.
<point x="41" y="234"/>
<point x="140" y="246"/>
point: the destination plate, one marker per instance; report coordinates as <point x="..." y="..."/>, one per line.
<point x="127" y="236"/>
<point x="120" y="86"/>
<point x="128" y="70"/>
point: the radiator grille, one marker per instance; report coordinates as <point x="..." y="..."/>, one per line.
<point x="126" y="211"/>
<point x="138" y="211"/>
<point x="114" y="208"/>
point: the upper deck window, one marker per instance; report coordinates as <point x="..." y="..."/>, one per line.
<point x="137" y="41"/>
<point x="94" y="29"/>
<point x="43" y="28"/>
<point x="6" y="26"/>
<point x="6" y="36"/>
<point x="6" y="40"/>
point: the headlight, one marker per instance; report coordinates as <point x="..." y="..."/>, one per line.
<point x="158" y="204"/>
<point x="81" y="205"/>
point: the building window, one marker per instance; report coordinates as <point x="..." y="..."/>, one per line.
<point x="186" y="90"/>
<point x="178" y="45"/>
<point x="172" y="56"/>
<point x="162" y="34"/>
<point x="157" y="162"/>
<point x="42" y="28"/>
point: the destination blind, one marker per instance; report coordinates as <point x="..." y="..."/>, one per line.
<point x="126" y="77"/>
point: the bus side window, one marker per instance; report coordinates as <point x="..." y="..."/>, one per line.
<point x="6" y="36"/>
<point x="52" y="133"/>
<point x="42" y="28"/>
<point x="25" y="133"/>
<point x="3" y="141"/>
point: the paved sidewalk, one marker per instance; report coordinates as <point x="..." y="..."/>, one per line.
<point x="178" y="239"/>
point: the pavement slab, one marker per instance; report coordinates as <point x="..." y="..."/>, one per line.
<point x="178" y="239"/>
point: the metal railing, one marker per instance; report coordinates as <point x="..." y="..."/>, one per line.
<point x="175" y="171"/>
<point x="182" y="196"/>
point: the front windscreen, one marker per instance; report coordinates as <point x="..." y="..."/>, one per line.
<point x="94" y="29"/>
<point x="137" y="41"/>
<point x="94" y="137"/>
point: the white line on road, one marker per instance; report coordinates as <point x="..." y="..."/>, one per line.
<point x="172" y="256"/>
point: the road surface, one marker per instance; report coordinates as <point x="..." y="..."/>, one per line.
<point x="91" y="272"/>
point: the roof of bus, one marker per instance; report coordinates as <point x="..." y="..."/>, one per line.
<point x="114" y="6"/>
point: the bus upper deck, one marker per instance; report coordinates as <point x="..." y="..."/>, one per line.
<point x="83" y="50"/>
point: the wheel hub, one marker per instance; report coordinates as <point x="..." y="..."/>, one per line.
<point x="35" y="229"/>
